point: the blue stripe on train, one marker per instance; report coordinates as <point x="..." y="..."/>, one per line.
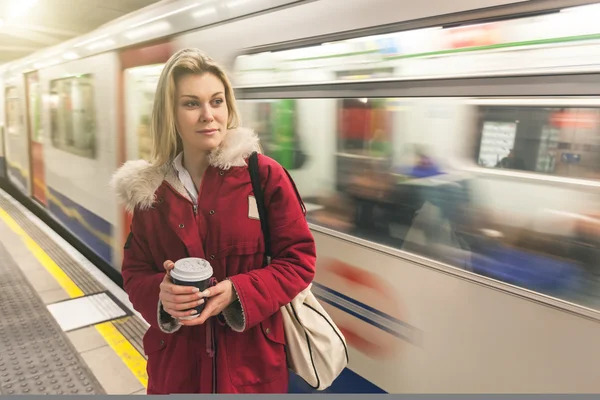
<point x="361" y="305"/>
<point x="100" y="247"/>
<point x="16" y="174"/>
<point x="366" y="313"/>
<point x="348" y="382"/>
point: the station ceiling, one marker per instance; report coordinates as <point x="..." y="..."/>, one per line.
<point x="27" y="26"/>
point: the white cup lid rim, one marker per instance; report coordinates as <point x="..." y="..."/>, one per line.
<point x="192" y="269"/>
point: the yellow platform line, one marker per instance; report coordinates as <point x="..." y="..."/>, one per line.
<point x="120" y="345"/>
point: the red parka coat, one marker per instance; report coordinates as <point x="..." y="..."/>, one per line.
<point x="245" y="352"/>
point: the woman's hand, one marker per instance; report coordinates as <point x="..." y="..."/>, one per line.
<point x="176" y="298"/>
<point x="218" y="298"/>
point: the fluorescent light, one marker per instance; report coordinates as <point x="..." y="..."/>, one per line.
<point x="148" y="30"/>
<point x="164" y="15"/>
<point x="18" y="8"/>
<point x="236" y="3"/>
<point x="101" y="44"/>
<point x="204" y="12"/>
<point x="91" y="40"/>
<point x="71" y="55"/>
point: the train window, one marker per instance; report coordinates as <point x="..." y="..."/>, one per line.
<point x="384" y="170"/>
<point x="561" y="141"/>
<point x="14" y="121"/>
<point x="72" y="115"/>
<point x="275" y="122"/>
<point x="491" y="48"/>
<point x="140" y="87"/>
<point x="35" y="106"/>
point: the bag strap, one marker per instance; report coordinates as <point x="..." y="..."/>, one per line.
<point x="260" y="204"/>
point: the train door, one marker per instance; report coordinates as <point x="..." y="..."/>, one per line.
<point x="140" y="70"/>
<point x="17" y="155"/>
<point x="2" y="153"/>
<point x="2" y="135"/>
<point x="34" y="126"/>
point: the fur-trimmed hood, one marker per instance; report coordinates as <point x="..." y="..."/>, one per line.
<point x="136" y="181"/>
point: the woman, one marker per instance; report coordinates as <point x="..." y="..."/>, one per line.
<point x="195" y="200"/>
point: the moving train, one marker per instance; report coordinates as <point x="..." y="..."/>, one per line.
<point x="448" y="154"/>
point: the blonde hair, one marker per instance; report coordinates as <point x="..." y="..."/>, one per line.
<point x="167" y="143"/>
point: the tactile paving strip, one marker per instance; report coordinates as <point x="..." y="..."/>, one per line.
<point x="36" y="357"/>
<point x="132" y="328"/>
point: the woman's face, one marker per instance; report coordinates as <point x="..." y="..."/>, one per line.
<point x="201" y="111"/>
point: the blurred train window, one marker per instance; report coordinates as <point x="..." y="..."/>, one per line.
<point x="275" y="122"/>
<point x="72" y="115"/>
<point x="561" y="41"/>
<point x="35" y="106"/>
<point x="14" y="118"/>
<point x="387" y="170"/>
<point x="140" y="87"/>
<point x="561" y="141"/>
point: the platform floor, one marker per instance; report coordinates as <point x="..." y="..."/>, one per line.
<point x="65" y="328"/>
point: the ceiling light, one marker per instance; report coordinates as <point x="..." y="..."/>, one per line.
<point x="91" y="40"/>
<point x="148" y="30"/>
<point x="164" y="15"/>
<point x="236" y="3"/>
<point x="101" y="44"/>
<point x="204" y="12"/>
<point x="18" y="8"/>
<point x="71" y="55"/>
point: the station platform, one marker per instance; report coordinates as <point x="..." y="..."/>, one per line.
<point x="65" y="328"/>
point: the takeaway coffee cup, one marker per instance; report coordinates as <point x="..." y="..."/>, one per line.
<point x="192" y="272"/>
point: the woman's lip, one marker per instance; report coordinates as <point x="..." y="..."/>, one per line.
<point x="207" y="131"/>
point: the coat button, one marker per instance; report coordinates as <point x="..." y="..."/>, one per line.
<point x="181" y="225"/>
<point x="221" y="173"/>
<point x="160" y="200"/>
<point x="212" y="257"/>
<point x="211" y="212"/>
<point x="268" y="330"/>
<point x="162" y="342"/>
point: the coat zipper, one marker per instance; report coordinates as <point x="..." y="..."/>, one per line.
<point x="214" y="359"/>
<point x="211" y="325"/>
<point x="212" y="350"/>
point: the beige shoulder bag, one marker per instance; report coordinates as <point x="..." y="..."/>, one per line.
<point x="316" y="349"/>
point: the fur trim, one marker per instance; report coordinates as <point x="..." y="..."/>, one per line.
<point x="234" y="316"/>
<point x="234" y="313"/>
<point x="166" y="322"/>
<point x="136" y="181"/>
<point x="237" y="146"/>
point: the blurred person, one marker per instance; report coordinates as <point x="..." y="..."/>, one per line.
<point x="193" y="200"/>
<point x="511" y="161"/>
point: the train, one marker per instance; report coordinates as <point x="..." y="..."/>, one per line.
<point x="448" y="154"/>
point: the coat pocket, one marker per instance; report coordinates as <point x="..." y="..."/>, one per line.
<point x="168" y="355"/>
<point x="154" y="343"/>
<point x="257" y="356"/>
<point x="237" y="258"/>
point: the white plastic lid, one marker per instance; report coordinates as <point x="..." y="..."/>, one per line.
<point x="192" y="269"/>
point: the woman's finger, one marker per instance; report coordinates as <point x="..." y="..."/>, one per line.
<point x="182" y="306"/>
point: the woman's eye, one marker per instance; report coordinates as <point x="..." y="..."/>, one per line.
<point x="191" y="104"/>
<point x="218" y="101"/>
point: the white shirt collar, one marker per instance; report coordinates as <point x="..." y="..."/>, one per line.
<point x="185" y="177"/>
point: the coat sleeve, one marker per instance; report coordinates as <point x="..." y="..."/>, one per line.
<point x="142" y="278"/>
<point x="263" y="291"/>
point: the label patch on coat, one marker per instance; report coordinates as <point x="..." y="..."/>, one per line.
<point x="252" y="208"/>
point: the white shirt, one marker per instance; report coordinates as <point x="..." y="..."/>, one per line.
<point x="185" y="178"/>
